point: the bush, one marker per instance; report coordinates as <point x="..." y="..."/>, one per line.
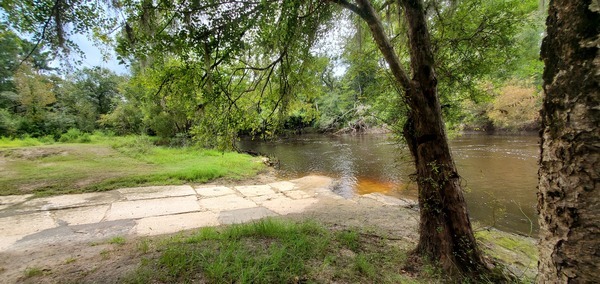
<point x="516" y="108"/>
<point x="75" y="135"/>
<point x="8" y="123"/>
<point x="125" y="119"/>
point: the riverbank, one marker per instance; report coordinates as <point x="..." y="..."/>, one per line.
<point x="123" y="235"/>
<point x="105" y="163"/>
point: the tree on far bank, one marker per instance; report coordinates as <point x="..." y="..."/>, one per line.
<point x="569" y="174"/>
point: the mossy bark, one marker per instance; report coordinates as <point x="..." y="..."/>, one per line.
<point x="569" y="175"/>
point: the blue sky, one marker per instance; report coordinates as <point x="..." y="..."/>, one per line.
<point x="93" y="56"/>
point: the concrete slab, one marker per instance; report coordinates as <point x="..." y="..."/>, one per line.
<point x="388" y="200"/>
<point x="68" y="201"/>
<point x="283" y="185"/>
<point x="226" y="202"/>
<point x="312" y="182"/>
<point x="244" y="215"/>
<point x="298" y="194"/>
<point x="81" y="233"/>
<point x="175" y="223"/>
<point x="13" y="199"/>
<point x="156" y="192"/>
<point x="284" y="206"/>
<point x="261" y="199"/>
<point x="7" y="242"/>
<point x="255" y="190"/>
<point x="21" y="225"/>
<point x="324" y="192"/>
<point x="152" y="207"/>
<point x="214" y="191"/>
<point x="81" y="215"/>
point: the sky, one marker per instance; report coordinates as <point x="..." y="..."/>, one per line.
<point x="93" y="56"/>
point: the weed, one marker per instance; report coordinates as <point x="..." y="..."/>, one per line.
<point x="363" y="266"/>
<point x="143" y="246"/>
<point x="70" y="260"/>
<point x="33" y="272"/>
<point x="349" y="239"/>
<point x="117" y="241"/>
<point x="105" y="254"/>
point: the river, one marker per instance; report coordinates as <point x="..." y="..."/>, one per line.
<point x="499" y="172"/>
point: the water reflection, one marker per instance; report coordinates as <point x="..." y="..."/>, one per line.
<point x="498" y="172"/>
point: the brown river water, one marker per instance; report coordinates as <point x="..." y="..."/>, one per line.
<point x="499" y="173"/>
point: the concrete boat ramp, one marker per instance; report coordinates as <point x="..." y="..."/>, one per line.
<point x="26" y="222"/>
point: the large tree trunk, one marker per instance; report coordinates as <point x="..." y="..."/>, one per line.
<point x="445" y="230"/>
<point x="569" y="175"/>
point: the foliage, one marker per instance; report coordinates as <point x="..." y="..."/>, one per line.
<point x="515" y="107"/>
<point x="478" y="41"/>
<point x="85" y="96"/>
<point x="8" y="123"/>
<point x="14" y="51"/>
<point x="254" y="70"/>
<point x="50" y="23"/>
<point x="34" y="92"/>
<point x="37" y="103"/>
<point x="125" y="119"/>
<point x="75" y="135"/>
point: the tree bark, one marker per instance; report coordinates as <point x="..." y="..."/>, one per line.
<point x="445" y="230"/>
<point x="569" y="174"/>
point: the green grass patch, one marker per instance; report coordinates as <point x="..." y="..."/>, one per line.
<point x="112" y="162"/>
<point x="272" y="251"/>
<point x="33" y="272"/>
<point x="6" y="142"/>
<point x="117" y="241"/>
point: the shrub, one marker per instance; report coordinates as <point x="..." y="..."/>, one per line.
<point x="516" y="108"/>
<point x="126" y="118"/>
<point x="8" y="123"/>
<point x="75" y="135"/>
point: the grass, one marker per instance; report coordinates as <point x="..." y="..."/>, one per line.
<point x="273" y="251"/>
<point x="117" y="241"/>
<point x="33" y="272"/>
<point x="111" y="162"/>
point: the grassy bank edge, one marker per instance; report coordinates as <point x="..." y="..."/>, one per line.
<point x="272" y="250"/>
<point x="110" y="162"/>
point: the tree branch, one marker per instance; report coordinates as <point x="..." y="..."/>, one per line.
<point x="366" y="11"/>
<point x="37" y="44"/>
<point x="352" y="7"/>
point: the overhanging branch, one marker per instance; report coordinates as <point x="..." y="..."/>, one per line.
<point x="366" y="11"/>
